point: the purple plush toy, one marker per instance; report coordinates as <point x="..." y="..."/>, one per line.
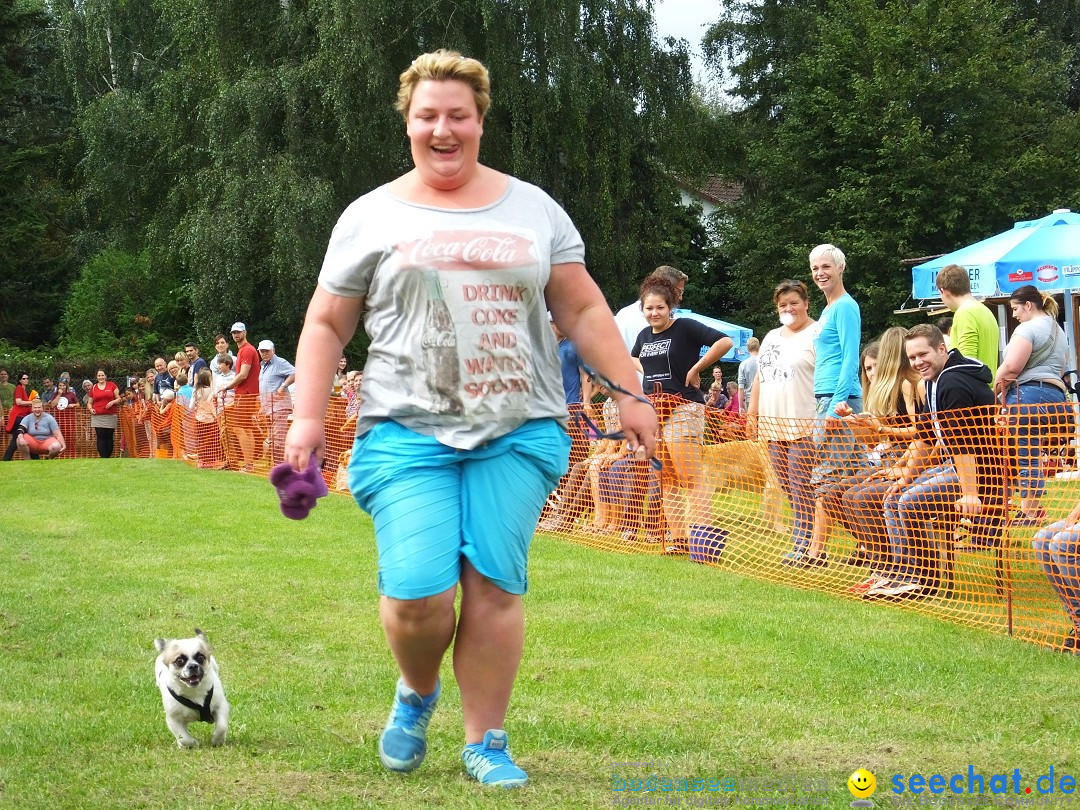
<point x="298" y="491"/>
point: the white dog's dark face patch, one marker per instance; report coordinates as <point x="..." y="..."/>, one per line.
<point x="187" y="659"/>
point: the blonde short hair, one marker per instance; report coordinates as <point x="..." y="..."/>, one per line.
<point x="443" y="65"/>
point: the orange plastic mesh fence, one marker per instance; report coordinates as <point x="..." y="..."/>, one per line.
<point x="246" y="433"/>
<point x="770" y="499"/>
<point x="817" y="509"/>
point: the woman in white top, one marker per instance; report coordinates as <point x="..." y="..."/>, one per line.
<point x="1030" y="378"/>
<point x="782" y="405"/>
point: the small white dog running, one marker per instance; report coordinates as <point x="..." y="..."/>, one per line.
<point x="187" y="675"/>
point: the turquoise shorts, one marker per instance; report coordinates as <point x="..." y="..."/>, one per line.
<point x="433" y="504"/>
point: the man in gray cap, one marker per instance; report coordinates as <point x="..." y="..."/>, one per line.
<point x="276" y="374"/>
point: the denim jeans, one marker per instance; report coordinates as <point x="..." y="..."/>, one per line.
<point x="907" y="517"/>
<point x="838" y="453"/>
<point x="1058" y="552"/>
<point x="792" y="462"/>
<point x="1033" y="409"/>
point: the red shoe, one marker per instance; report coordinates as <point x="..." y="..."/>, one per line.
<point x="865" y="585"/>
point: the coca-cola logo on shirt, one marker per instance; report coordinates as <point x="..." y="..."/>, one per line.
<point x="467" y="250"/>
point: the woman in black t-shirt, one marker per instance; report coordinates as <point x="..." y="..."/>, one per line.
<point x="668" y="354"/>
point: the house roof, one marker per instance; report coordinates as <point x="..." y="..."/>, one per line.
<point x="714" y="189"/>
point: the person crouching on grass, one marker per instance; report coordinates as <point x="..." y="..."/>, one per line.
<point x="452" y="412"/>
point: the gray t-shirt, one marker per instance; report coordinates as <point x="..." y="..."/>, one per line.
<point x="461" y="347"/>
<point x="747" y="373"/>
<point x="1050" y="362"/>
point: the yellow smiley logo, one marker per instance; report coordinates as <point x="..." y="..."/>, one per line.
<point x="862" y="784"/>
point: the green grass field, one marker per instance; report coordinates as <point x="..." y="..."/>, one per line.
<point x="628" y="658"/>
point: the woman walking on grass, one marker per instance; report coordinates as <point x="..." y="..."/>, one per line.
<point x="454" y="266"/>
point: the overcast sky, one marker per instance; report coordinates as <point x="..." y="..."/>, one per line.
<point x="687" y="19"/>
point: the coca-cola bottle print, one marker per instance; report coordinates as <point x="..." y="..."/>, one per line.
<point x="439" y="343"/>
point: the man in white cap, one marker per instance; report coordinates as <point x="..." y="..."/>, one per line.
<point x="244" y="385"/>
<point x="276" y="374"/>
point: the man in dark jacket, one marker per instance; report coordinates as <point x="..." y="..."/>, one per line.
<point x="957" y="419"/>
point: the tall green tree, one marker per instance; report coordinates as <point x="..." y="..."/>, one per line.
<point x="34" y="125"/>
<point x="222" y="138"/>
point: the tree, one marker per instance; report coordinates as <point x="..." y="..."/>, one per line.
<point x="33" y="196"/>
<point x="223" y="138"/>
<point x="892" y="129"/>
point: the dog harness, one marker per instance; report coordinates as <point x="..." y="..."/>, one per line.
<point x="205" y="715"/>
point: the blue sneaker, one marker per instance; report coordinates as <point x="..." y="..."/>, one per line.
<point x="403" y="743"/>
<point x="489" y="762"/>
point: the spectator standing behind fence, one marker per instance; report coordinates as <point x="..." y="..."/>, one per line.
<point x="207" y="428"/>
<point x="162" y="378"/>
<point x="630" y="319"/>
<point x="974" y="328"/>
<point x="276" y="374"/>
<point x="221" y="346"/>
<point x="748" y="373"/>
<point x="65" y="397"/>
<point x="40" y="434"/>
<point x="837" y="390"/>
<point x="781" y="409"/>
<point x="668" y="354"/>
<point x="1057" y="548"/>
<point x="195" y="362"/>
<point x="20" y="407"/>
<point x="105" y="399"/>
<point x="245" y="385"/>
<point x="1030" y="380"/>
<point x="48" y="390"/>
<point x="944" y="325"/>
<point x="439" y="439"/>
<point x="967" y="481"/>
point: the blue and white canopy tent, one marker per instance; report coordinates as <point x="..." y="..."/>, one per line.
<point x="1043" y="252"/>
<point x="738" y="334"/>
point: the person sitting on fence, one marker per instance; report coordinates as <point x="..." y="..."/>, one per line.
<point x="891" y="393"/>
<point x="40" y="434"/>
<point x="1057" y="548"/>
<point x="958" y="417"/>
